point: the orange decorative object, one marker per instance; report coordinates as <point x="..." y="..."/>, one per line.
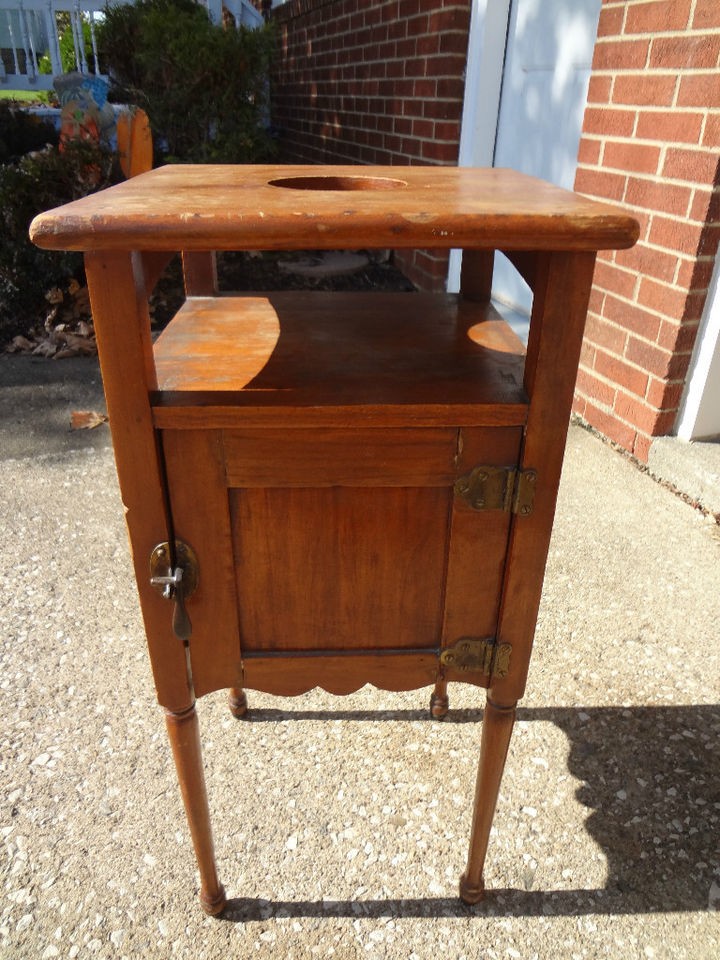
<point x="134" y="142"/>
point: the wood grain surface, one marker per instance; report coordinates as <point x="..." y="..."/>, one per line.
<point x="239" y="207"/>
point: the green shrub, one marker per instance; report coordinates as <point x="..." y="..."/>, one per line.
<point x="66" y="43"/>
<point x="204" y="87"/>
<point x="29" y="186"/>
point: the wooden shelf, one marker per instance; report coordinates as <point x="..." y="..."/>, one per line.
<point x="338" y="359"/>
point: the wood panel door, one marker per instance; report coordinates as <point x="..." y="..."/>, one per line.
<point x="346" y="550"/>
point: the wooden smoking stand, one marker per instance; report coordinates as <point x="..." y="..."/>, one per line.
<point x="333" y="489"/>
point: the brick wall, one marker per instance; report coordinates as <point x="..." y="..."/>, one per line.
<point x="372" y="82"/>
<point x="650" y="141"/>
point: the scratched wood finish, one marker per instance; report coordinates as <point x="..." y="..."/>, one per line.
<point x="225" y="207"/>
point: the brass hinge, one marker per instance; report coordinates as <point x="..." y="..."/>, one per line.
<point x="498" y="488"/>
<point x="478" y="655"/>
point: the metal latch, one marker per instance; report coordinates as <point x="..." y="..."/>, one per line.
<point x="478" y="655"/>
<point x="498" y="488"/>
<point x="174" y="574"/>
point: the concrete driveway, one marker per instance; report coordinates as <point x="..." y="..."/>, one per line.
<point x="341" y="824"/>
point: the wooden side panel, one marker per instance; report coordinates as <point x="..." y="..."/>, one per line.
<point x="478" y="543"/>
<point x="320" y="458"/>
<point x="562" y="293"/>
<point x="340" y="568"/>
<point x="200" y="273"/>
<point x="198" y="495"/>
<point x="122" y="325"/>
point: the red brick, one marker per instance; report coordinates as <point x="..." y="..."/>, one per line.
<point x="442" y="21"/>
<point x="700" y="90"/>
<point x="676" y="235"/>
<point x="439" y="152"/>
<point x="606" y="335"/>
<point x="696" y="274"/>
<point x="447" y="130"/>
<point x="678" y="338"/>
<point x="663" y="395"/>
<point x="589" y="151"/>
<point x="694" y="306"/>
<point x="630" y="317"/>
<point x="649" y="357"/>
<point x="705" y="206"/>
<point x="685" y="52"/>
<point x="648" y="262"/>
<point x="649" y="90"/>
<point x="663" y="197"/>
<point x="662" y="298"/>
<point x="631" y="409"/>
<point x="709" y="242"/>
<point x="578" y="406"/>
<point x="422" y="128"/>
<point x="622" y="373"/>
<point x="609" y="426"/>
<point x="587" y="355"/>
<point x="601" y="120"/>
<point x="711" y="135"/>
<point x="598" y="183"/>
<point x="669" y="127"/>
<point x="638" y="157"/>
<point x="620" y="54"/>
<point x="610" y="22"/>
<point x="640" y="448"/>
<point x="453" y="42"/>
<point x="599" y="90"/>
<point x="657" y="17"/>
<point x="596" y="389"/>
<point x="451" y="87"/>
<point x="596" y="302"/>
<point x="612" y="278"/>
<point x="697" y="166"/>
<point x="707" y="14"/>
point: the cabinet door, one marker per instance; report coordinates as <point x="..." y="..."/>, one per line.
<point x="346" y="549"/>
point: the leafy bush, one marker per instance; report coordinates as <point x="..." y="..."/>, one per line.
<point x="29" y="186"/>
<point x="204" y="87"/>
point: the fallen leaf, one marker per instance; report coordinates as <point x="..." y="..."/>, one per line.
<point x="86" y="419"/>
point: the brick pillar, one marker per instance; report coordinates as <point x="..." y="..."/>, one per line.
<point x="650" y="141"/>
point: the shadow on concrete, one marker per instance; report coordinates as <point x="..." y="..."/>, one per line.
<point x="650" y="777"/>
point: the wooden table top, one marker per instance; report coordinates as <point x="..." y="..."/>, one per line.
<point x="265" y="207"/>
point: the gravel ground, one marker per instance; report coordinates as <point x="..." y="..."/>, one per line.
<point x="341" y="823"/>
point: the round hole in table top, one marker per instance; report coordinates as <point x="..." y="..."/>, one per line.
<point x="338" y="183"/>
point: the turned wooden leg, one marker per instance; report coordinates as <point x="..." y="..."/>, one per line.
<point x="184" y="733"/>
<point x="237" y="701"/>
<point x="497" y="728"/>
<point x="439" y="702"/>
